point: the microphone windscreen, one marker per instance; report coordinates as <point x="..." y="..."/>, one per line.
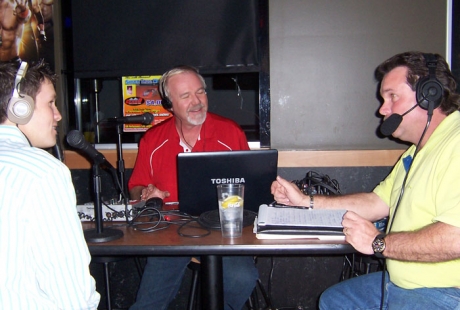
<point x="76" y="139"/>
<point x="390" y="124"/>
<point x="148" y="119"/>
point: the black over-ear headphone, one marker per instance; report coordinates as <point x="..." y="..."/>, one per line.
<point x="20" y="106"/>
<point x="165" y="102"/>
<point x="429" y="90"/>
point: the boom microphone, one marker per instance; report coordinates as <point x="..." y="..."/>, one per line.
<point x="144" y="119"/>
<point x="77" y="140"/>
<point x="392" y="123"/>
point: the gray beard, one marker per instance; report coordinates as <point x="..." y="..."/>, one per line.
<point x="195" y="121"/>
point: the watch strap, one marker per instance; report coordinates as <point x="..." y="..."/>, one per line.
<point x="376" y="253"/>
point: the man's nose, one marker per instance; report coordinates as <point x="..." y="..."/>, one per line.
<point x="385" y="109"/>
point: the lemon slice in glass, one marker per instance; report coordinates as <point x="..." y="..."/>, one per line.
<point x="232" y="202"/>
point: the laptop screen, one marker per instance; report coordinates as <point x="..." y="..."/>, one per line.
<point x="199" y="173"/>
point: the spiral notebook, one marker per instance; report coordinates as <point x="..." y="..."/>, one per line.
<point x="296" y="222"/>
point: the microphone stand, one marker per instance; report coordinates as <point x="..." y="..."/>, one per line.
<point x="99" y="234"/>
<point x="121" y="165"/>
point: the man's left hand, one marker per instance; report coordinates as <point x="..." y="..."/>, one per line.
<point x="359" y="232"/>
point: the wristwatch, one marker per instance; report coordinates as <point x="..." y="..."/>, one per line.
<point x="378" y="245"/>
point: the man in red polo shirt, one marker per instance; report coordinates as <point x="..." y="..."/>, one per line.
<point x="191" y="129"/>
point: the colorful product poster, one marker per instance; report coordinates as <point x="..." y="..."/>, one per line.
<point x="140" y="95"/>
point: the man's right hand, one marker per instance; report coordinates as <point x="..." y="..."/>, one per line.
<point x="151" y="191"/>
<point x="287" y="193"/>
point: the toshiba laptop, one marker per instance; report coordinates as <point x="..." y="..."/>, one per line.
<point x="199" y="173"/>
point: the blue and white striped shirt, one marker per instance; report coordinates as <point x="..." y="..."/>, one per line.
<point x="44" y="258"/>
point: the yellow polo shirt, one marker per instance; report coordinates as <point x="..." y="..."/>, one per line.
<point x="432" y="194"/>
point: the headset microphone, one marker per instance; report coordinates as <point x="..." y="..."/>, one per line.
<point x="392" y="122"/>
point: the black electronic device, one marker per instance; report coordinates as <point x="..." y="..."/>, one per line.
<point x="154" y="203"/>
<point x="200" y="172"/>
<point x="429" y="90"/>
<point x="165" y="102"/>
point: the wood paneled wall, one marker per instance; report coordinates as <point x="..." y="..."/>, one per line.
<point x="349" y="158"/>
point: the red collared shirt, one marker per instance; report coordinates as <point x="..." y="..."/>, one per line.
<point x="156" y="161"/>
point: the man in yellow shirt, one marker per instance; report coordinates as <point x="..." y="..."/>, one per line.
<point x="420" y="196"/>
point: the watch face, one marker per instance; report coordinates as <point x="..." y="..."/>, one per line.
<point x="378" y="245"/>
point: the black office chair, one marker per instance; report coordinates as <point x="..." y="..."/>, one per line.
<point x="357" y="264"/>
<point x="253" y="301"/>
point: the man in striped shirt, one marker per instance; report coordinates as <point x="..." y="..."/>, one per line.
<point x="44" y="258"/>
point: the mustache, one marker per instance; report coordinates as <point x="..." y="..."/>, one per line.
<point x="196" y="108"/>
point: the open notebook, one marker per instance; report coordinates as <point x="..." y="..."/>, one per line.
<point x="295" y="222"/>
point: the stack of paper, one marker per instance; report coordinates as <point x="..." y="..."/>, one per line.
<point x="275" y="222"/>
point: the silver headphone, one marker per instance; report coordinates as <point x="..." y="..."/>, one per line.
<point x="20" y="106"/>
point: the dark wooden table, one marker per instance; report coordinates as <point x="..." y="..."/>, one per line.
<point x="210" y="248"/>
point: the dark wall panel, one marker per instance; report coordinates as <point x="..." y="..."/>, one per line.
<point x="323" y="54"/>
<point x="145" y="37"/>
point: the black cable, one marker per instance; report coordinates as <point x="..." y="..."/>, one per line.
<point x="158" y="221"/>
<point x="117" y="181"/>
<point x="401" y="193"/>
<point x="156" y="218"/>
<point x="185" y="224"/>
<point x="239" y="93"/>
<point x="315" y="183"/>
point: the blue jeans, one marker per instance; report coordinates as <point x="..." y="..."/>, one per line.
<point x="364" y="292"/>
<point x="162" y="279"/>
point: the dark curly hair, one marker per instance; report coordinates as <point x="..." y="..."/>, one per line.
<point x="36" y="74"/>
<point x="416" y="64"/>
